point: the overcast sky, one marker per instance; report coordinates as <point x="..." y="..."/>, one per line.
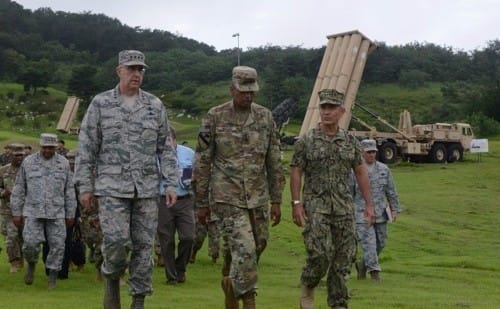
<point x="461" y="24"/>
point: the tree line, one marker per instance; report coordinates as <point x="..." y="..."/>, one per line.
<point x="77" y="52"/>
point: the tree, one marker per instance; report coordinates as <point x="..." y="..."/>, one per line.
<point x="35" y="74"/>
<point x="82" y="82"/>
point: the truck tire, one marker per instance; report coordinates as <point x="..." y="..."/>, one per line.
<point x="438" y="153"/>
<point x="387" y="153"/>
<point x="455" y="153"/>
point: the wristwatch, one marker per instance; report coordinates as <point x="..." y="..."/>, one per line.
<point x="296" y="202"/>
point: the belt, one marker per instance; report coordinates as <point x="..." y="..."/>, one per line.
<point x="182" y="197"/>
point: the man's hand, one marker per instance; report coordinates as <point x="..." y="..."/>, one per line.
<point x="369" y="214"/>
<point x="299" y="215"/>
<point x="170" y="198"/>
<point x="69" y="222"/>
<point x="275" y="214"/>
<point x="87" y="200"/>
<point x="18" y="221"/>
<point x="203" y="214"/>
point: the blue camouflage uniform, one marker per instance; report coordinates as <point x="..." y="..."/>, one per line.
<point x="118" y="150"/>
<point x="373" y="238"/>
<point x="45" y="196"/>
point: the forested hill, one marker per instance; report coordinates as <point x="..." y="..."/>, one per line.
<point x="76" y="53"/>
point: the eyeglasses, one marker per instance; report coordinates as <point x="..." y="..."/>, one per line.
<point x="371" y="151"/>
<point x="138" y="68"/>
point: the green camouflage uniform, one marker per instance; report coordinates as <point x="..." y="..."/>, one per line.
<point x="118" y="153"/>
<point x="238" y="156"/>
<point x="44" y="194"/>
<point x="12" y="235"/>
<point x="91" y="232"/>
<point x="329" y="233"/>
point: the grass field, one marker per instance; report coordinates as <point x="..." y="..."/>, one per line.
<point x="443" y="251"/>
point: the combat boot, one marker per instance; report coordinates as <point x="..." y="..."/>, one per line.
<point x="30" y="273"/>
<point x="112" y="294"/>
<point x="361" y="269"/>
<point x="248" y="300"/>
<point x="230" y="301"/>
<point x="15" y="266"/>
<point x="375" y="275"/>
<point x="137" y="302"/>
<point x="52" y="279"/>
<point x="306" y="297"/>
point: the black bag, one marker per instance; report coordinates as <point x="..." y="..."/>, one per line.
<point x="77" y="251"/>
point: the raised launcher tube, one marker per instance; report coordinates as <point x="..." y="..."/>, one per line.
<point x="341" y="69"/>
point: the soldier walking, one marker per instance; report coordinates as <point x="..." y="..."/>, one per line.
<point x="373" y="238"/>
<point x="43" y="199"/>
<point x="238" y="173"/>
<point x="12" y="234"/>
<point x="123" y="135"/>
<point x="325" y="156"/>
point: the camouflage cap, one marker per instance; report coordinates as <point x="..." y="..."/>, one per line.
<point x="71" y="156"/>
<point x="369" y="145"/>
<point x="131" y="57"/>
<point x="245" y="79"/>
<point x="48" y="139"/>
<point x="17" y="148"/>
<point x="331" y="96"/>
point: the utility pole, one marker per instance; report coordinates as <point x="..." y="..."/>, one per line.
<point x="238" y="50"/>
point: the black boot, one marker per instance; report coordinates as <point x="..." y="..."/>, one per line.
<point x="137" y="302"/>
<point x="30" y="274"/>
<point x="112" y="294"/>
<point x="52" y="279"/>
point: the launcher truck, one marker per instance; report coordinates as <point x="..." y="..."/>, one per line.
<point x="342" y="69"/>
<point x="436" y="143"/>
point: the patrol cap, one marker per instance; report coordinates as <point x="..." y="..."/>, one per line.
<point x="131" y="57"/>
<point x="369" y="145"/>
<point x="17" y="149"/>
<point x="48" y="139"/>
<point x="245" y="79"/>
<point x="330" y="96"/>
<point x="71" y="156"/>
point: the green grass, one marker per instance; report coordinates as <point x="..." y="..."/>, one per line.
<point x="442" y="252"/>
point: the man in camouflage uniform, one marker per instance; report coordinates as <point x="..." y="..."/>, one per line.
<point x="373" y="238"/>
<point x="211" y="228"/>
<point x="325" y="156"/>
<point x="92" y="235"/>
<point x="44" y="198"/>
<point x="12" y="235"/>
<point x="5" y="157"/>
<point x="123" y="135"/>
<point x="238" y="160"/>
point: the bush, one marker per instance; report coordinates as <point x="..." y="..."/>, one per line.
<point x="484" y="125"/>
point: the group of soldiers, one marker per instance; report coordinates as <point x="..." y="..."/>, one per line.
<point x="87" y="219"/>
<point x="128" y="161"/>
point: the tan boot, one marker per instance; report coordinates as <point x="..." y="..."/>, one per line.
<point x="248" y="300"/>
<point x="112" y="294"/>
<point x="231" y="302"/>
<point x="15" y="266"/>
<point x="306" y="297"/>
